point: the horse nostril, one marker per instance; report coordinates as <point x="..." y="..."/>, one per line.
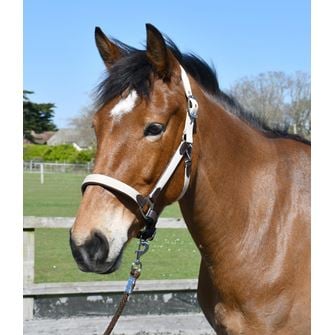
<point x="92" y="252"/>
<point x="97" y="248"/>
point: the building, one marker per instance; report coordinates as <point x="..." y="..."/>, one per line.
<point x="41" y="138"/>
<point x="70" y="136"/>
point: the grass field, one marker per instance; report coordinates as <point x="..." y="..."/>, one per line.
<point x="172" y="253"/>
<point x="60" y="195"/>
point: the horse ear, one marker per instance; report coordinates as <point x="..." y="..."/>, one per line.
<point x="158" y="53"/>
<point x="109" y="51"/>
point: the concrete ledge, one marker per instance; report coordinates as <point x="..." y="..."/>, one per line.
<point x="108" y="287"/>
<point x="105" y="304"/>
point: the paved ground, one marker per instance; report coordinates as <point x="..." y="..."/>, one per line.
<point x="181" y="324"/>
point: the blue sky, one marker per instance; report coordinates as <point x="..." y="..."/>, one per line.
<point x="241" y="38"/>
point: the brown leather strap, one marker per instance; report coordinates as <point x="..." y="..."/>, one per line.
<point x="134" y="275"/>
<point x="117" y="314"/>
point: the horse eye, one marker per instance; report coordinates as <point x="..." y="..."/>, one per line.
<point x="154" y="129"/>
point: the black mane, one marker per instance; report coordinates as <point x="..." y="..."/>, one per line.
<point x="133" y="71"/>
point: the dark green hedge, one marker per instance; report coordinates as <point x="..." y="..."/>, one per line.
<point x="58" y="153"/>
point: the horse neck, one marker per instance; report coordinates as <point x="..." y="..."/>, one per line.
<point x="226" y="152"/>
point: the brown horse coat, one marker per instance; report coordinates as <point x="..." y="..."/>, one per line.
<point x="247" y="206"/>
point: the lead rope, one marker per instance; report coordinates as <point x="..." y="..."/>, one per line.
<point x="135" y="272"/>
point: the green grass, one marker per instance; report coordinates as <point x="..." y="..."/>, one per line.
<point x="60" y="195"/>
<point x="172" y="255"/>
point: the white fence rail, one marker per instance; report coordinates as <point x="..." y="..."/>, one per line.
<point x="32" y="290"/>
<point x="42" y="167"/>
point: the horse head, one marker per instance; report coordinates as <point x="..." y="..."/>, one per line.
<point x="139" y="124"/>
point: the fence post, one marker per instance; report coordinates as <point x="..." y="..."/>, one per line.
<point x="28" y="269"/>
<point x="42" y="173"/>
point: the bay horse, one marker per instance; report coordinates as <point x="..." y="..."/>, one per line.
<point x="166" y="132"/>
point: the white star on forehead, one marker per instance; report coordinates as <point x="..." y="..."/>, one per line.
<point x="124" y="106"/>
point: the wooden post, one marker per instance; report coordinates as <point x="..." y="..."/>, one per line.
<point x="42" y="173"/>
<point x="28" y="270"/>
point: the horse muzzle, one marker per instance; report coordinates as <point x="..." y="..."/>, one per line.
<point x="92" y="255"/>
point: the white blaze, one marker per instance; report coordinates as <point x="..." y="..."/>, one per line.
<point x="115" y="225"/>
<point x="124" y="106"/>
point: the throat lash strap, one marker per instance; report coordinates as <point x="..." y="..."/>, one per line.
<point x="146" y="204"/>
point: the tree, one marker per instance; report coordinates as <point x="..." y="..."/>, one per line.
<point x="282" y="101"/>
<point x="83" y="122"/>
<point x="299" y="108"/>
<point x="36" y="117"/>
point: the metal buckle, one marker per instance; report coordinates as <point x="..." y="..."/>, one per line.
<point x="136" y="267"/>
<point x="150" y="216"/>
<point x="192" y="107"/>
<point x="140" y="252"/>
<point x="144" y="202"/>
<point x="186" y="151"/>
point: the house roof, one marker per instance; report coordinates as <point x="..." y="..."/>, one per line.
<point x="39" y="138"/>
<point x="68" y="136"/>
